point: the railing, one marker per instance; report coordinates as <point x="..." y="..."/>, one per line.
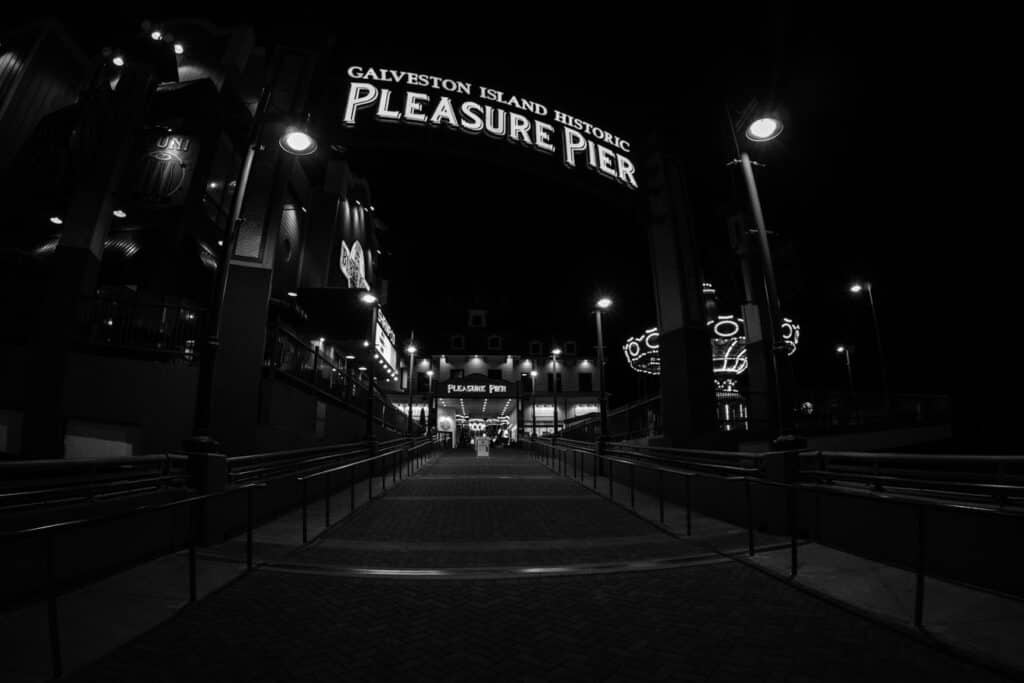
<point x="409" y="456"/>
<point x="49" y="533"/>
<point x="556" y="456"/>
<point x="398" y="458"/>
<point x="154" y="330"/>
<point x="33" y="483"/>
<point x="289" y="355"/>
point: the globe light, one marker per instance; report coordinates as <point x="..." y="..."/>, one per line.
<point x="118" y="60"/>
<point x="856" y="288"/>
<point x="410" y="349"/>
<point x="293" y="294"/>
<point x="840" y="349"/>
<point x="156" y="35"/>
<point x="179" y="49"/>
<point x="533" y="373"/>
<point x="556" y="352"/>
<point x="298" y="142"/>
<point x="604" y="302"/>
<point x="119" y="213"/>
<point x="56" y="220"/>
<point x="764" y="129"/>
<point x="368" y="298"/>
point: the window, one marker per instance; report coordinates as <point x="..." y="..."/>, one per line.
<point x="586" y="380"/>
<point x="494" y="343"/>
<point x="494" y="373"/>
<point x="458" y="342"/>
<point x="477" y="318"/>
<point x="536" y="348"/>
<point x="551" y="381"/>
<point x="570" y="348"/>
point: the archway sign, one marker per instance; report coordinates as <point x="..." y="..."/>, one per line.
<point x="394" y="96"/>
<point x="478" y="386"/>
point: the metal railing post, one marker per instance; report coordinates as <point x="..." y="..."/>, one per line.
<point x="921" y="559"/>
<point x="248" y="527"/>
<point x="793" y="521"/>
<point x="305" y="527"/>
<point x="632" y="486"/>
<point x="750" y="517"/>
<point x="192" y="552"/>
<point x="689" y="505"/>
<point x="327" y="500"/>
<point x="56" y="662"/>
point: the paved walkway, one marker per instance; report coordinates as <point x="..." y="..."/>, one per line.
<point x="500" y="570"/>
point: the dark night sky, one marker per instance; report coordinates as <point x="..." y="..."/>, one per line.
<point x="838" y="187"/>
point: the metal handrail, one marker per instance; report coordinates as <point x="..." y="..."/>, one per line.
<point x="49" y="531"/>
<point x="413" y="446"/>
<point x="13" y="500"/>
<point x="793" y="490"/>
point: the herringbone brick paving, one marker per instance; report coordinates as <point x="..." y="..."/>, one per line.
<point x="724" y="622"/>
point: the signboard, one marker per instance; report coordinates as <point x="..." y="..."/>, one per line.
<point x="476" y="386"/>
<point x="395" y="96"/>
<point x="384" y="341"/>
<point x="163" y="170"/>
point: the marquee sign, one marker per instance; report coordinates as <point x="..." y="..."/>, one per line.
<point x="476" y="386"/>
<point x="475" y="109"/>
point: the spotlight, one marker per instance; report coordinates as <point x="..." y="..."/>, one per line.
<point x="179" y="49"/>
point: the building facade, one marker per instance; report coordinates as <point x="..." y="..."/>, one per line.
<point x="480" y="379"/>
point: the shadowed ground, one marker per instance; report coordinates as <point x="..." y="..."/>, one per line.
<point x="343" y="609"/>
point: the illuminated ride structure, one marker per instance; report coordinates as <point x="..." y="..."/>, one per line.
<point x="728" y="358"/>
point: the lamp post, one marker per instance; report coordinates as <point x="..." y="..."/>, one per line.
<point x="533" y="400"/>
<point x="411" y="350"/>
<point x="762" y="130"/>
<point x="555" y="353"/>
<point x="857" y="288"/>
<point x="845" y="352"/>
<point x="295" y="141"/>
<point x="430" y="400"/>
<point x="370" y="299"/>
<point x="603" y="304"/>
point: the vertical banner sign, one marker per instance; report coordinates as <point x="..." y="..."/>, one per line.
<point x="393" y="96"/>
<point x="164" y="169"/>
<point x="350" y="256"/>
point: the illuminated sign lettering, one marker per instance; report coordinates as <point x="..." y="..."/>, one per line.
<point x="542" y="129"/>
<point x="384" y="341"/>
<point x="477" y="389"/>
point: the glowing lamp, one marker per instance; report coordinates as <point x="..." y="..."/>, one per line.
<point x="368" y="298"/>
<point x="179" y="49"/>
<point x="118" y="60"/>
<point x="856" y="288"/>
<point x="56" y="220"/>
<point x="840" y="349"/>
<point x="119" y="213"/>
<point x="410" y="349"/>
<point x="156" y="35"/>
<point x="293" y="294"/>
<point x="298" y="142"/>
<point x="764" y="129"/>
<point x="604" y="302"/>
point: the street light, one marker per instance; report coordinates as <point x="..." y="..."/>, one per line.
<point x="201" y="441"/>
<point x="602" y="304"/>
<point x="533" y="399"/>
<point x="762" y="130"/>
<point x="298" y="142"/>
<point x="411" y="350"/>
<point x="845" y="351"/>
<point x="555" y="353"/>
<point x="857" y="288"/>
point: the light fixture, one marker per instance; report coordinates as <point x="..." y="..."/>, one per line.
<point x="764" y="129"/>
<point x="840" y="349"/>
<point x="220" y="243"/>
<point x="430" y="373"/>
<point x="604" y="302"/>
<point x="298" y="142"/>
<point x="179" y="49"/>
<point x="291" y="294"/>
<point x="56" y="220"/>
<point x="533" y="373"/>
<point x="213" y="185"/>
<point x="362" y="368"/>
<point x="349" y="356"/>
<point x="410" y="349"/>
<point x="556" y="352"/>
<point x="856" y="288"/>
<point x="118" y="60"/>
<point x="366" y="342"/>
<point x="119" y="213"/>
<point x="322" y="340"/>
<point x="368" y="298"/>
<point x="156" y="35"/>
